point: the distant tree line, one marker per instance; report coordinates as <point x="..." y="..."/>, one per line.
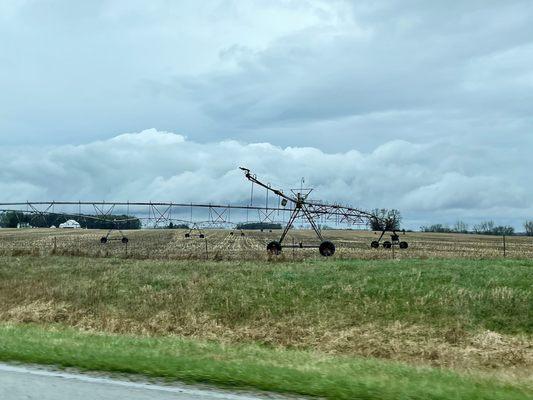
<point x="258" y="225"/>
<point x="10" y="219"/>
<point x="489" y="228"/>
<point x="459" y="227"/>
<point x="483" y="228"/>
<point x="172" y="225"/>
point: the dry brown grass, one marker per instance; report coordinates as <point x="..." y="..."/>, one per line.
<point x="478" y="351"/>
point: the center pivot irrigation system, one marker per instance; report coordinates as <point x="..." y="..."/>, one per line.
<point x="311" y="211"/>
<point x="118" y="216"/>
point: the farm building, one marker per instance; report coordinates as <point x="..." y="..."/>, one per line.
<point x="70" y="224"/>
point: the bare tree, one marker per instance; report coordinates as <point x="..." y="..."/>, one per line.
<point x="502" y="230"/>
<point x="484" y="227"/>
<point x="460" y="227"/>
<point x="489" y="228"/>
<point x="385" y="219"/>
<point x="528" y="225"/>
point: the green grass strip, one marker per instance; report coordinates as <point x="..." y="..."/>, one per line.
<point x="244" y="366"/>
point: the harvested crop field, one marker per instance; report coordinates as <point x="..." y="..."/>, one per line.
<point x="251" y="245"/>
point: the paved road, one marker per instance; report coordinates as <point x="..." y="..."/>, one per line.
<point x="28" y="383"/>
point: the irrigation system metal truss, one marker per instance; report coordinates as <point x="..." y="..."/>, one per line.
<point x="288" y="209"/>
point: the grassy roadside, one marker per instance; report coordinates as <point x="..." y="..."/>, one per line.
<point x="494" y="295"/>
<point x="461" y="314"/>
<point x="245" y="366"/>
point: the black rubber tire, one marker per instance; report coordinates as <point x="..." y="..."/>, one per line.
<point x="103" y="240"/>
<point x="125" y="240"/>
<point x="404" y="245"/>
<point x="187" y="235"/>
<point x="387" y="244"/>
<point x="242" y="233"/>
<point x="327" y="248"/>
<point x="201" y="236"/>
<point x="274" y="247"/>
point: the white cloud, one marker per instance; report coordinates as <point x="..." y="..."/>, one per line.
<point x="436" y="180"/>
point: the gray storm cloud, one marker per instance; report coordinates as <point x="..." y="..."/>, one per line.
<point x="330" y="74"/>
<point x="436" y="178"/>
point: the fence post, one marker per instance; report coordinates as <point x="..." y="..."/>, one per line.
<point x="504" y="247"/>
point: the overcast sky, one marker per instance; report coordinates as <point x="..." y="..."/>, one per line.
<point x="422" y="106"/>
